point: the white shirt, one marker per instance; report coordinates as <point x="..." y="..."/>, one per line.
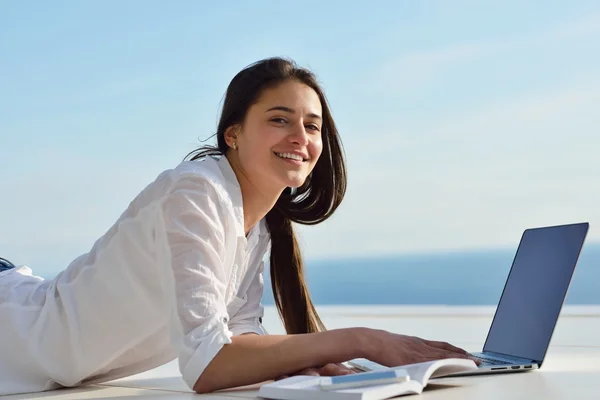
<point x="175" y="276"/>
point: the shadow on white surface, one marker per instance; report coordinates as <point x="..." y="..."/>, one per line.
<point x="170" y="383"/>
<point x="110" y="392"/>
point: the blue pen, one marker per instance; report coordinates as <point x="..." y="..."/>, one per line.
<point x="363" y="379"/>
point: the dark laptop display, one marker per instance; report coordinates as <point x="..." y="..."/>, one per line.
<point x="535" y="291"/>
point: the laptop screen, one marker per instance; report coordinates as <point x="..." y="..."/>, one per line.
<point x="535" y="291"/>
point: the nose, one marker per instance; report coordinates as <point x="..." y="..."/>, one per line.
<point x="298" y="134"/>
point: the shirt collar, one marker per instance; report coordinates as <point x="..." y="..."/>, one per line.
<point x="235" y="192"/>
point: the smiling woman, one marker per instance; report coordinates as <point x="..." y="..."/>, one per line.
<point x="180" y="274"/>
<point x="277" y="145"/>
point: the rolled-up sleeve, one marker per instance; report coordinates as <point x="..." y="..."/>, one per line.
<point x="249" y="318"/>
<point x="195" y="226"/>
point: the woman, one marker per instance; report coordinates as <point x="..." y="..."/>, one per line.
<point x="180" y="273"/>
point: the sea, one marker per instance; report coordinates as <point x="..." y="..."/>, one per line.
<point x="443" y="278"/>
<point x="461" y="278"/>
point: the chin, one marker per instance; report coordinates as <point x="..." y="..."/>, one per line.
<point x="295" y="182"/>
<point x="288" y="178"/>
<point x="294" y="185"/>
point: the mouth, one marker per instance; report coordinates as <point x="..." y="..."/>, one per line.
<point x="291" y="157"/>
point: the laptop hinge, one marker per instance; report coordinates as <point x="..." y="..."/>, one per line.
<point x="512" y="358"/>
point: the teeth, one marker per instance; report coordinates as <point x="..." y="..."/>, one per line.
<point x="290" y="155"/>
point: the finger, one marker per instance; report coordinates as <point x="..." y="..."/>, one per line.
<point x="330" y="370"/>
<point x="309" y="371"/>
<point x="441" y="354"/>
<point x="477" y="361"/>
<point x="334" y="369"/>
<point x="427" y="353"/>
<point x="465" y="356"/>
<point x="445" y="346"/>
<point x="305" y="371"/>
<point x="447" y="352"/>
<point x="345" y="367"/>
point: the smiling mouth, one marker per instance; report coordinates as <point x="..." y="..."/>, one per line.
<point x="290" y="156"/>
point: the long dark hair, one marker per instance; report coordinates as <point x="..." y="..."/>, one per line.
<point x="313" y="202"/>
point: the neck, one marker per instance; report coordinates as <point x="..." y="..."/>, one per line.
<point x="257" y="202"/>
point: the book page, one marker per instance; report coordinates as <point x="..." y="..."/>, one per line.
<point x="453" y="368"/>
<point x="422" y="372"/>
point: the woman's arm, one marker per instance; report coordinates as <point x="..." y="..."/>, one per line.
<point x="252" y="359"/>
<point x="249" y="317"/>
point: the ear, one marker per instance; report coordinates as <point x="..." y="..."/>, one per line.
<point x="231" y="135"/>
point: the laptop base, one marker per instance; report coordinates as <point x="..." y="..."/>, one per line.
<point x="495" y="369"/>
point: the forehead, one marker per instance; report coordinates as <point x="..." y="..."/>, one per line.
<point x="291" y="94"/>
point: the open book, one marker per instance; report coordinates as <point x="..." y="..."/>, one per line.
<point x="308" y="387"/>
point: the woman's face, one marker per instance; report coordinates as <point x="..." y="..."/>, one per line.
<point x="280" y="140"/>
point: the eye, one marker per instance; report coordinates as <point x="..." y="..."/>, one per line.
<point x="279" y="120"/>
<point x="313" y="127"/>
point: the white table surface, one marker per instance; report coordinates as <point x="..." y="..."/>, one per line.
<point x="571" y="369"/>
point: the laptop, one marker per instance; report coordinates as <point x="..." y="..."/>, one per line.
<point x="531" y="301"/>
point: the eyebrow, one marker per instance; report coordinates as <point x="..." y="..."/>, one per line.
<point x="292" y="111"/>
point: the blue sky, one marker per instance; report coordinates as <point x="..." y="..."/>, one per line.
<point x="464" y="122"/>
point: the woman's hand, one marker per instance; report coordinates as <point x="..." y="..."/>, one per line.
<point x="326" y="370"/>
<point x="392" y="349"/>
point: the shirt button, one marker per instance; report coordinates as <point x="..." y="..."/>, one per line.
<point x="225" y="319"/>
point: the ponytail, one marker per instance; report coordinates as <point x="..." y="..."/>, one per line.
<point x="290" y="292"/>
